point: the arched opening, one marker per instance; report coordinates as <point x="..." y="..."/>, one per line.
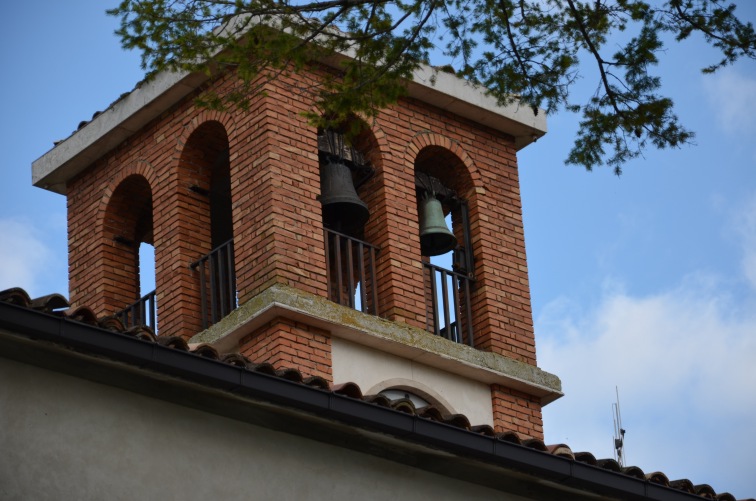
<point x="442" y="183"/>
<point x="128" y="228"/>
<point x="206" y="172"/>
<point x="345" y="168"/>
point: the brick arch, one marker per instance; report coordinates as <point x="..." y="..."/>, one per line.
<point x="204" y="119"/>
<point x="382" y="146"/>
<point x="139" y="167"/>
<point x="227" y="120"/>
<point x="204" y="183"/>
<point x="427" y="139"/>
<point x="125" y="221"/>
<point x="195" y="217"/>
<point x="448" y="161"/>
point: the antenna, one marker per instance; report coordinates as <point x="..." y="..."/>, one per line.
<point x="619" y="433"/>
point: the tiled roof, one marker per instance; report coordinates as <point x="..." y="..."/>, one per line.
<point x="57" y="305"/>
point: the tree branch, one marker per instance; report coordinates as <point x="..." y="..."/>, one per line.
<point x="592" y="48"/>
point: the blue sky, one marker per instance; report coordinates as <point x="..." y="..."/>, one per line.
<point x="645" y="282"/>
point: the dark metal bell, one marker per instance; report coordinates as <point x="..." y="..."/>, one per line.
<point x="342" y="208"/>
<point x="435" y="237"/>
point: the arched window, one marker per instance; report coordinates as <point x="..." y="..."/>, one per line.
<point x="205" y="170"/>
<point x="344" y="170"/>
<point x="419" y="398"/>
<point x="127" y="225"/>
<point x="442" y="182"/>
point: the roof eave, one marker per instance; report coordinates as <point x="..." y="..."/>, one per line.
<point x="65" y="160"/>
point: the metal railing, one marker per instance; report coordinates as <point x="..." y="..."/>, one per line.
<point x="217" y="278"/>
<point x="141" y="312"/>
<point x="350" y="272"/>
<point x="450" y="312"/>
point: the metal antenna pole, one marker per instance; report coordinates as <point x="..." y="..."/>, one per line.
<point x="619" y="433"/>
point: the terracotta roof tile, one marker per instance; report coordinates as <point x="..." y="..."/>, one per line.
<point x="50" y="303"/>
<point x="404" y="405"/>
<point x="683" y="484"/>
<point x="534" y="443"/>
<point x="236" y="359"/>
<point x="112" y="324"/>
<point x="609" y="464"/>
<point x="207" y="351"/>
<point x="705" y="490"/>
<point x="379" y="399"/>
<point x="658" y="477"/>
<point x="56" y="304"/>
<point x="83" y="314"/>
<point x="348" y="389"/>
<point x="633" y="471"/>
<point x="510" y="436"/>
<point x="290" y="374"/>
<point x="262" y="368"/>
<point x="483" y="429"/>
<point x="458" y="420"/>
<point x="431" y="412"/>
<point x="174" y="342"/>
<point x="141" y="332"/>
<point x="586" y="457"/>
<point x="317" y="382"/>
<point x="16" y="296"/>
<point x="561" y="450"/>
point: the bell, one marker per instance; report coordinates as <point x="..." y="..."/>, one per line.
<point x="435" y="237"/>
<point x="342" y="208"/>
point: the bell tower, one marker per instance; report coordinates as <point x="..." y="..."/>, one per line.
<point x="389" y="254"/>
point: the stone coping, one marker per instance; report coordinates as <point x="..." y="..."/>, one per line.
<point x="398" y="339"/>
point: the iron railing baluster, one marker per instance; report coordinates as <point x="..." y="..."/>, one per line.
<point x="141" y="312"/>
<point x="350" y="263"/>
<point x="456" y="323"/>
<point x="217" y="278"/>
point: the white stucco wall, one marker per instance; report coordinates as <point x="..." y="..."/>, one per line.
<point x="375" y="371"/>
<point x="63" y="438"/>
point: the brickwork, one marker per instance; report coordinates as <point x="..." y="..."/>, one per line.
<point x="272" y="161"/>
<point x="516" y="411"/>
<point x="286" y="343"/>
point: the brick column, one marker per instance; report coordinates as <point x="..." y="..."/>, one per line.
<point x="285" y="343"/>
<point x="516" y="411"/>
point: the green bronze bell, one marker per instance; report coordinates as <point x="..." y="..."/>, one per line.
<point x="435" y="236"/>
<point x="342" y="208"/>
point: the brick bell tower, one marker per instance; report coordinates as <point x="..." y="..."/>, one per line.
<point x="394" y="259"/>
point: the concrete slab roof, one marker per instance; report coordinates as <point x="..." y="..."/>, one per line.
<point x="126" y="116"/>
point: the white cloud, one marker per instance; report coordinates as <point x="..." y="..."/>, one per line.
<point x="26" y="260"/>
<point x="684" y="364"/>
<point x="683" y="359"/>
<point x="732" y="96"/>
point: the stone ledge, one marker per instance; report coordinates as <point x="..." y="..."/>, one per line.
<point x="398" y="339"/>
